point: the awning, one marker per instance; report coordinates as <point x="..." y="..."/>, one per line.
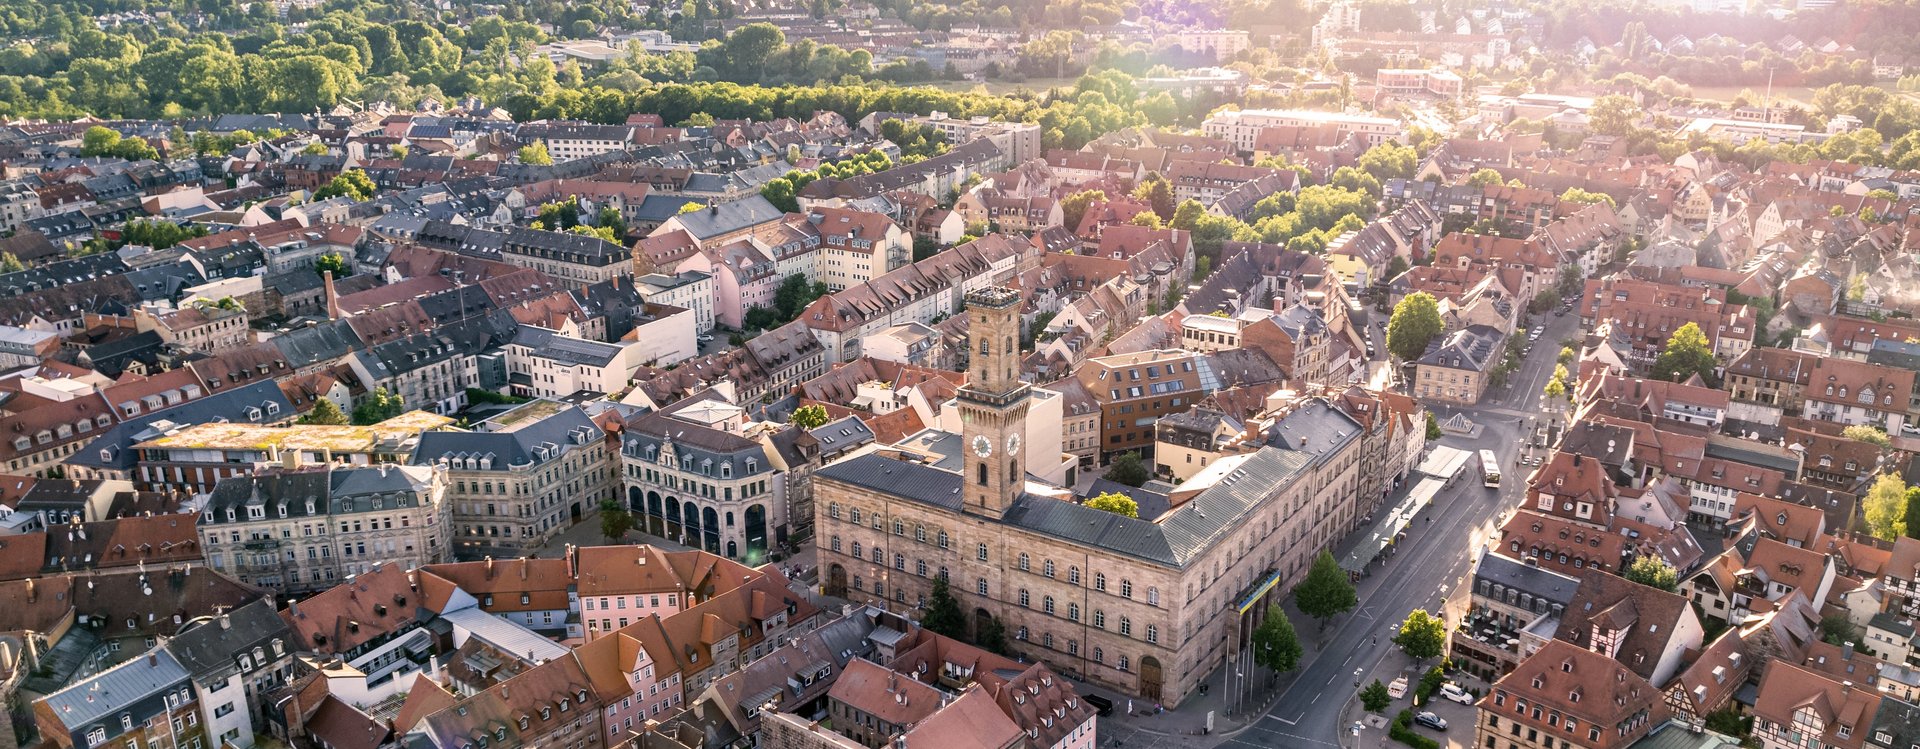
<point x="1390" y="525"/>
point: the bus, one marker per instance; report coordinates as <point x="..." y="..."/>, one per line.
<point x="1490" y="469"/>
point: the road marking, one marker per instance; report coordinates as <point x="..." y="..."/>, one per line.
<point x="1294" y="722"/>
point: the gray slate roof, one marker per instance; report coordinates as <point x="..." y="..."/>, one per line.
<point x="212" y="648"/>
<point x="1175" y="540"/>
<point x="552" y="436"/>
<point x="116" y="689"/>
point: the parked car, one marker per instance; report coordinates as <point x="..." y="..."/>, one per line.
<point x="1398" y="688"/>
<point x="1430" y="720"/>
<point x="1099" y="703"/>
<point x="1452" y="691"/>
<point x="704" y="338"/>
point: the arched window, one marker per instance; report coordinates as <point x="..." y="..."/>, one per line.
<point x="1100" y="581"/>
<point x="1046" y="568"/>
<point x="1073" y="574"/>
<point x="1153" y="596"/>
<point x="1025" y="599"/>
<point x="1099" y="656"/>
<point x="1046" y="604"/>
<point x="1126" y="627"/>
<point x="1023" y="561"/>
<point x="983" y="474"/>
<point x="1073" y="612"/>
<point x="1100" y="618"/>
<point x="1126" y="588"/>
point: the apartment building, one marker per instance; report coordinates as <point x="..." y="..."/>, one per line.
<point x="857" y="246"/>
<point x="1243" y="127"/>
<point x="1457" y="370"/>
<point x="521" y="477"/>
<point x="567" y="141"/>
<point x="545" y="364"/>
<point x="234" y="660"/>
<point x="1020" y="141"/>
<point x="147" y="701"/>
<point x="1135" y="390"/>
<point x="1563" y="697"/>
<point x="205" y="328"/>
<point x="305" y="529"/>
<point x="689" y="290"/>
<point x="566" y="256"/>
<point x="433" y="370"/>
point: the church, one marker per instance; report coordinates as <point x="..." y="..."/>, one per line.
<point x="1146" y="606"/>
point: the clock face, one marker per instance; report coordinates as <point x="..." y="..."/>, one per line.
<point x="982" y="446"/>
<point x="1013" y="443"/>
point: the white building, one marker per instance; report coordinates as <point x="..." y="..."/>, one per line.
<point x="690" y="290"/>
<point x="1242" y="127"/>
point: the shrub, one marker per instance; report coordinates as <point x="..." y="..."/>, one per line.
<point x="1402" y="731"/>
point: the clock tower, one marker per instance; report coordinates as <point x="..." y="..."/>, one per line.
<point x="993" y="404"/>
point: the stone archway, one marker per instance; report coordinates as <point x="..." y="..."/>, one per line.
<point x="756" y="532"/>
<point x="1151" y="677"/>
<point x="836" y="581"/>
<point x="656" y="516"/>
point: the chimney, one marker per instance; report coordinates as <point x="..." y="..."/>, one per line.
<point x="489" y="567"/>
<point x="333" y="297"/>
<point x="153" y="659"/>
<point x="226" y="622"/>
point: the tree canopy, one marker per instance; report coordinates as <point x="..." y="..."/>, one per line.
<point x="1128" y="468"/>
<point x="810" y="416"/>
<point x="1116" y="503"/>
<point x="1327" y="592"/>
<point x="1422" y="636"/>
<point x="1886" y="507"/>
<point x="1685" y="355"/>
<point x="1415" y="322"/>
<point x="1653" y="572"/>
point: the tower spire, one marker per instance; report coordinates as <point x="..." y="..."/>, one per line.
<point x="993" y="404"/>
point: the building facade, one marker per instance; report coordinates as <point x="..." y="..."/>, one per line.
<point x="307" y="529"/>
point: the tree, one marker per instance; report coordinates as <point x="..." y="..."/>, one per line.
<point x="1116" y="503"/>
<point x="315" y="148"/>
<point x="535" y="155"/>
<point x="1415" y="321"/>
<point x="1158" y="192"/>
<point x="1886" y="507"/>
<point x="1913" y="512"/>
<point x="1586" y="197"/>
<point x="1422" y="636"/>
<point x="1653" y="572"/>
<point x="332" y="261"/>
<point x="354" y="184"/>
<point x="1566" y="356"/>
<point x="1327" y="592"/>
<point x="1275" y="645"/>
<point x="794" y="294"/>
<point x="1375" y="697"/>
<point x="1555" y="389"/>
<point x="615" y="520"/>
<point x="942" y="615"/>
<point x="1433" y="427"/>
<point x="379" y="406"/>
<point x="1685" y="355"/>
<point x="1613" y="114"/>
<point x="1074" y="207"/>
<point x="326" y="413"/>
<point x="99" y="141"/>
<point x="1485" y="178"/>
<point x="1127" y="468"/>
<point x="10" y="263"/>
<point x="992" y="636"/>
<point x="1869" y="434"/>
<point x="1837" y="629"/>
<point x="810" y="416"/>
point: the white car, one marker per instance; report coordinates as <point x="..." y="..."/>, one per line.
<point x="704" y="338"/>
<point x="1452" y="691"/>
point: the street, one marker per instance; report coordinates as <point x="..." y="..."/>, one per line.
<point x="1428" y="566"/>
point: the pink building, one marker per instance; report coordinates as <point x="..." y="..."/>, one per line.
<point x="745" y="275"/>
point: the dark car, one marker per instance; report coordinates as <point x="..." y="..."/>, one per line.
<point x="1102" y="704"/>
<point x="1430" y="720"/>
